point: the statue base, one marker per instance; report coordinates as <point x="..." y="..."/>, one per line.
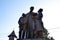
<point x="33" y="39"/>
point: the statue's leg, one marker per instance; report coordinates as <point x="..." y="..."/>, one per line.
<point x="31" y="34"/>
<point x="23" y="34"/>
<point x="20" y="34"/>
<point x="27" y="34"/>
<point x="19" y="31"/>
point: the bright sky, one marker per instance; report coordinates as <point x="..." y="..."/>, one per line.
<point x="11" y="10"/>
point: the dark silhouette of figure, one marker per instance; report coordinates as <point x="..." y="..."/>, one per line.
<point x="29" y="29"/>
<point x="24" y="25"/>
<point x="40" y="13"/>
<point x="39" y="33"/>
<point x="21" y="26"/>
<point x="31" y="9"/>
<point x="40" y="16"/>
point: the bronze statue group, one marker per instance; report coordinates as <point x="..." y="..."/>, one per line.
<point x="31" y="25"/>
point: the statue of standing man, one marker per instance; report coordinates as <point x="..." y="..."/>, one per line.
<point x="30" y="23"/>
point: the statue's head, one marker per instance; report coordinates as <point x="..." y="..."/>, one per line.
<point x="23" y="15"/>
<point x="40" y="10"/>
<point x="31" y="8"/>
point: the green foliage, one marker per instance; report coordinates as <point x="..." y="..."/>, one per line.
<point x="47" y="35"/>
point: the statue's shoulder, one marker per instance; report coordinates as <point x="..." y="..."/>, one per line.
<point x="27" y="14"/>
<point x="31" y="14"/>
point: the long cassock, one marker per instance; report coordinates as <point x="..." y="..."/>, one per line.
<point x="30" y="26"/>
<point x="38" y="24"/>
<point x="39" y="28"/>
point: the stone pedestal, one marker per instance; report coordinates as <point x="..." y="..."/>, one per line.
<point x="33" y="39"/>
